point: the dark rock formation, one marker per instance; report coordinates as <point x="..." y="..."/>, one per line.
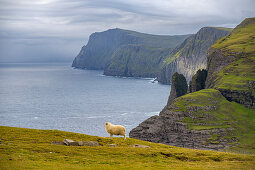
<point x="198" y="81"/>
<point x="191" y="55"/>
<point x="101" y="46"/>
<point x="179" y="87"/>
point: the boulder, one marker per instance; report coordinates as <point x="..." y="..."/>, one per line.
<point x="112" y="145"/>
<point x="140" y="146"/>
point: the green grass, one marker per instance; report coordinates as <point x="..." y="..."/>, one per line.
<point x="236" y="75"/>
<point x="241" y="39"/>
<point x="240" y="44"/>
<point x="224" y="28"/>
<point x="213" y="111"/>
<point x="32" y="149"/>
<point x="171" y="58"/>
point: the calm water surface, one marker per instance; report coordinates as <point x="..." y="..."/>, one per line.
<point x="56" y="96"/>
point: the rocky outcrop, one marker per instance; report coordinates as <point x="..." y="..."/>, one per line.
<point x="101" y="46"/>
<point x="198" y="81"/>
<point x="179" y="87"/>
<point x="173" y="125"/>
<point x="191" y="55"/>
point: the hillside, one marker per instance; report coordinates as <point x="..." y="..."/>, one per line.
<point x="101" y="46"/>
<point x="191" y="56"/>
<point x="231" y="64"/>
<point x="32" y="149"/>
<point x="220" y="117"/>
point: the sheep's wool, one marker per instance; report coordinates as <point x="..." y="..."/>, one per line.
<point x="115" y="129"/>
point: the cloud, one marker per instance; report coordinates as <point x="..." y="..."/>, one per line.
<point x="28" y="28"/>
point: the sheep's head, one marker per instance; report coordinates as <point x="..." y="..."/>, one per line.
<point x="106" y="124"/>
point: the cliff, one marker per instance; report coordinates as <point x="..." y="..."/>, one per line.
<point x="191" y="55"/>
<point x="136" y="61"/>
<point x="220" y="117"/>
<point x="101" y="46"/>
<point x="231" y="64"/>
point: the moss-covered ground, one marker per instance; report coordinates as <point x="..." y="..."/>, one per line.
<point x="32" y="149"/>
<point x="210" y="110"/>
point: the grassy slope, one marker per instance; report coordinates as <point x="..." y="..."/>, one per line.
<point x="226" y="115"/>
<point x="241" y="43"/>
<point x="31" y="149"/>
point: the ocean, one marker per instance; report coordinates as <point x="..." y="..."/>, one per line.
<point x="57" y="96"/>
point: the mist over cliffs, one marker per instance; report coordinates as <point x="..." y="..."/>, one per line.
<point x="104" y="49"/>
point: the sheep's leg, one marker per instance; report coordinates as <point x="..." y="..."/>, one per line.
<point x="110" y="136"/>
<point x="125" y="137"/>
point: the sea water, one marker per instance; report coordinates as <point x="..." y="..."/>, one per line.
<point x="57" y="96"/>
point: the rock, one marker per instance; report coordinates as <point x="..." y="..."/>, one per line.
<point x="140" y="146"/>
<point x="112" y="145"/>
<point x="68" y="141"/>
<point x="179" y="87"/>
<point x="88" y="143"/>
<point x="198" y="81"/>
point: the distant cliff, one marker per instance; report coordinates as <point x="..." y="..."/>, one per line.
<point x="222" y="116"/>
<point x="191" y="55"/>
<point x="101" y="47"/>
<point x="136" y="61"/>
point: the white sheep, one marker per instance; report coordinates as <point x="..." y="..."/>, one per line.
<point x="115" y="129"/>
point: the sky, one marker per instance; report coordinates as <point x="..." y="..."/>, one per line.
<point x="55" y="30"/>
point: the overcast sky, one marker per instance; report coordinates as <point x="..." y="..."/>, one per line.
<point x="55" y="30"/>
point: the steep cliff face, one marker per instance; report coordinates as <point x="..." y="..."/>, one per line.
<point x="231" y="64"/>
<point x="191" y="54"/>
<point x="101" y="46"/>
<point x="198" y="81"/>
<point x="136" y="61"/>
<point x="179" y="87"/>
